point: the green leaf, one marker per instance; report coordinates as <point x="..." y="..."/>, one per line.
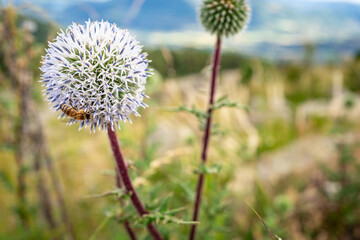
<point x="225" y="102"/>
<point x="172" y="212"/>
<point x="189" y="192"/>
<point x="203" y="169"/>
<point x="158" y="217"/>
<point x="193" y="110"/>
<point x="5" y="179"/>
<point x="119" y="192"/>
<point x="216" y="130"/>
<point x="101" y="226"/>
<point x="199" y="114"/>
<point x="164" y="204"/>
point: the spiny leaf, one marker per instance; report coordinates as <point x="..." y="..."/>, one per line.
<point x="164" y="204"/>
<point x="202" y="115"/>
<point x="216" y="130"/>
<point x="160" y="205"/>
<point x="158" y="217"/>
<point x="203" y="169"/>
<point x="119" y="192"/>
<point x="193" y="110"/>
<point x="225" y="102"/>
<point x="172" y="212"/>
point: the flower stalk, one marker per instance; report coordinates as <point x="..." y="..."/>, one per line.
<point x="125" y="178"/>
<point x="127" y="226"/>
<point x="95" y="74"/>
<point x="207" y="134"/>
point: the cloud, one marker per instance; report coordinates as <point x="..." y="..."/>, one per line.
<point x="340" y="1"/>
<point x="193" y="3"/>
<point x="60" y="3"/>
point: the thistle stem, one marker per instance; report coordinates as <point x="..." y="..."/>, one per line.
<point x="127" y="226"/>
<point x="200" y="183"/>
<point x="124" y="175"/>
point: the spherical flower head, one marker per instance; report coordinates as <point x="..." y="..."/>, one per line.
<point x="95" y="74"/>
<point x="224" y="17"/>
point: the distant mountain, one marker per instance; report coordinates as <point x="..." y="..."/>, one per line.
<point x="173" y="15"/>
<point x="154" y="15"/>
<point x="164" y="15"/>
<point x="276" y="25"/>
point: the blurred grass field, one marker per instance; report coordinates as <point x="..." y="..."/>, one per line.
<point x="294" y="156"/>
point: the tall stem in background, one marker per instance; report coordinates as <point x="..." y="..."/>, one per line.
<point x="199" y="189"/>
<point x="124" y="175"/>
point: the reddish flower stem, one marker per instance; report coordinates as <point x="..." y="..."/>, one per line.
<point x="124" y="175"/>
<point x="127" y="226"/>
<point x="199" y="189"/>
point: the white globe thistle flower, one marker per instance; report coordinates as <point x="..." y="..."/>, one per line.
<point x="95" y="74"/>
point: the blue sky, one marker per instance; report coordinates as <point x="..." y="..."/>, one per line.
<point x="277" y="27"/>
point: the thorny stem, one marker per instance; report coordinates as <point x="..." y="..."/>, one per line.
<point x="124" y="175"/>
<point x="199" y="189"/>
<point x="127" y="226"/>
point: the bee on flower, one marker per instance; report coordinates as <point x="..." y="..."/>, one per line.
<point x="95" y="74"/>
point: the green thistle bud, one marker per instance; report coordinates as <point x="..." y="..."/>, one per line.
<point x="224" y="17"/>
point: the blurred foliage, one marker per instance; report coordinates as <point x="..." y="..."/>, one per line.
<point x="162" y="149"/>
<point x="271" y="139"/>
<point x="189" y="60"/>
<point x="326" y="207"/>
<point x="352" y="72"/>
<point x="340" y="191"/>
